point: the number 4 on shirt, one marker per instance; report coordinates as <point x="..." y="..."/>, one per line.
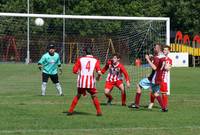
<point x="88" y="66"/>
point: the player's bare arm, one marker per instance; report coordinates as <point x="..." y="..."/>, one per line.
<point x="147" y="57"/>
<point x="168" y="66"/>
<point x="98" y="76"/>
<point x="128" y="84"/>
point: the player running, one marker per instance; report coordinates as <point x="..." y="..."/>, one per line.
<point x="153" y="80"/>
<point x="49" y="64"/>
<point x="167" y="64"/>
<point x="85" y="67"/>
<point x="115" y="78"/>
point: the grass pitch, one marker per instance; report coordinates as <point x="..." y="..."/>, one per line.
<point x="23" y="111"/>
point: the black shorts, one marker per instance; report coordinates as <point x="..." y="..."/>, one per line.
<point x="54" y="78"/>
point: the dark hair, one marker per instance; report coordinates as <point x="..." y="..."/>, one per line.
<point x="166" y="46"/>
<point x="88" y="51"/>
<point x="117" y="55"/>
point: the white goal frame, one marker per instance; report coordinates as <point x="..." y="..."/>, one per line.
<point x="27" y="15"/>
<point x="167" y="19"/>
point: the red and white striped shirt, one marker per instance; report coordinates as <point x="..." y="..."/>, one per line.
<point x="115" y="72"/>
<point x="165" y="74"/>
<point x="86" y="66"/>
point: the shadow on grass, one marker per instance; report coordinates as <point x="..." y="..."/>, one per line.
<point x="113" y="104"/>
<point x="77" y="113"/>
<point x="145" y="108"/>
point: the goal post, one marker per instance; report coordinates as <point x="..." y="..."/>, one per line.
<point x="132" y="37"/>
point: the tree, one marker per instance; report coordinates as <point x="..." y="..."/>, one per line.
<point x="184" y="15"/>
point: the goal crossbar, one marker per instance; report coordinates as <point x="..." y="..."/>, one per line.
<point x="167" y="19"/>
<point x="83" y="16"/>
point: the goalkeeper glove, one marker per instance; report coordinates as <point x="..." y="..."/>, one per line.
<point x="40" y="68"/>
<point x="60" y="70"/>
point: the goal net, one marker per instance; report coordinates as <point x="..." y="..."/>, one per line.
<point x="21" y="40"/>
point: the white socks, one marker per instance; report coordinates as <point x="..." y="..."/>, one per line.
<point x="44" y="85"/>
<point x="59" y="89"/>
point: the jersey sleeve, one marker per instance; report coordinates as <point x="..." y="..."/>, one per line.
<point x="58" y="62"/>
<point x="156" y="61"/>
<point x="105" y="68"/>
<point x="77" y="66"/>
<point x="123" y="70"/>
<point x="97" y="66"/>
<point x="170" y="61"/>
<point x="42" y="60"/>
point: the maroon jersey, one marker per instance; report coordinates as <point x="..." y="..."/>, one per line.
<point x="159" y="63"/>
<point x="155" y="62"/>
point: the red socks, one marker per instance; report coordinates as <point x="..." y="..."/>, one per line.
<point x="97" y="105"/>
<point x="165" y="100"/>
<point x="95" y="101"/>
<point x="74" y="102"/>
<point x="137" y="99"/>
<point x="109" y="96"/>
<point x="160" y="102"/>
<point x="123" y="98"/>
<point x="152" y="97"/>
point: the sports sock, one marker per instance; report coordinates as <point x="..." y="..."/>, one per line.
<point x="137" y="99"/>
<point x="152" y="97"/>
<point x="59" y="89"/>
<point x="160" y="102"/>
<point x="109" y="96"/>
<point x="74" y="102"/>
<point x="123" y="98"/>
<point x="165" y="100"/>
<point x="97" y="105"/>
<point x="44" y="85"/>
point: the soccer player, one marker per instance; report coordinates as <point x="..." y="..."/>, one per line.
<point x="49" y="64"/>
<point x="153" y="80"/>
<point x="115" y="78"/>
<point x="167" y="64"/>
<point x="85" y="68"/>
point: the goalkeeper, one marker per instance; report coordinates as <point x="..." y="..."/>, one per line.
<point x="48" y="64"/>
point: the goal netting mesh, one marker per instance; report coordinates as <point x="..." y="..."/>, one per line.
<point x="131" y="38"/>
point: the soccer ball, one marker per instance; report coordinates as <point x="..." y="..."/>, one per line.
<point x="39" y="21"/>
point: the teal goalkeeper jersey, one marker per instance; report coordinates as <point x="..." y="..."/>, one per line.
<point x="50" y="63"/>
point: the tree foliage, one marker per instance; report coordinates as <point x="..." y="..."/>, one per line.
<point x="184" y="15"/>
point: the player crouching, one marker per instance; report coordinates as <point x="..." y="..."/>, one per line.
<point x="115" y="78"/>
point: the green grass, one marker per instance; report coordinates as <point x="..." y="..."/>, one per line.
<point x="23" y="111"/>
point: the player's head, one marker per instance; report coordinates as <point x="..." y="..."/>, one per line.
<point x="51" y="48"/>
<point x="166" y="50"/>
<point x="116" y="58"/>
<point x="88" y="51"/>
<point x="157" y="48"/>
